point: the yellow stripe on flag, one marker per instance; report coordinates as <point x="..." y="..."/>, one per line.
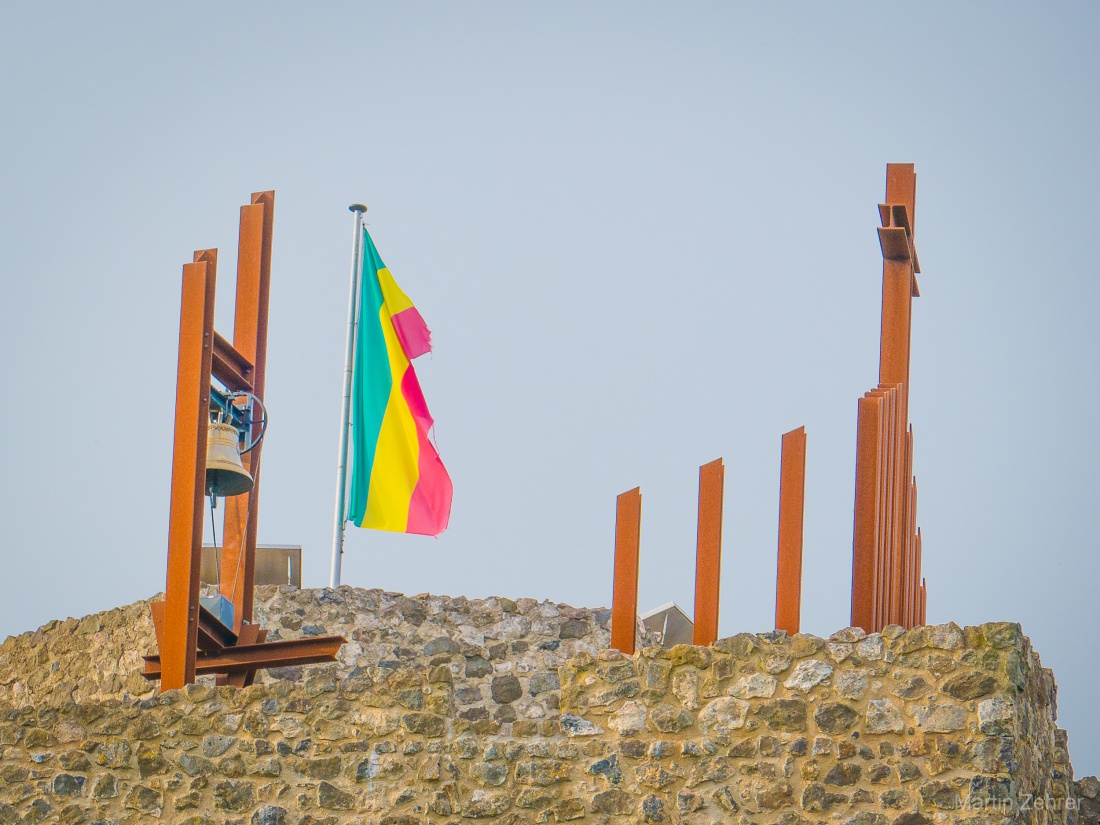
<point x="395" y="471"/>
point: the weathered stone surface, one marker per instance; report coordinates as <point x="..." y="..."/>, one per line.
<point x="331" y="797"/>
<point x="629" y="719"/>
<point x="269" y="815"/>
<point x="940" y="718"/>
<point x="783" y="714"/>
<point x="995" y="715"/>
<point x="808" y="674"/>
<point x="573" y="725"/>
<point x="758" y="685"/>
<point x="816" y="799"/>
<point x="969" y="685"/>
<point x="723" y="715"/>
<point x="614" y="801"/>
<point x="405" y="728"/>
<point x="144" y="799"/>
<point x="607" y="768"/>
<point x="883" y="716"/>
<point x="843" y="773"/>
<point x="653" y="809"/>
<point x="505" y="689"/>
<point x="835" y="718"/>
<point x="669" y="718"/>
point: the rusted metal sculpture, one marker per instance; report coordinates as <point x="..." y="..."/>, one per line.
<point x="792" y="495"/>
<point x="887" y="586"/>
<point x="624" y="600"/>
<point x="708" y="552"/>
<point x="190" y="639"/>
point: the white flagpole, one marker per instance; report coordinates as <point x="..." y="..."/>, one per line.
<point x="345" y="409"/>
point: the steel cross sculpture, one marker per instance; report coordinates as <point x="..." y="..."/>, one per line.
<point x="887" y="586"/>
<point x="191" y="640"/>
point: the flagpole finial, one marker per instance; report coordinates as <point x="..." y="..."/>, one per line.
<point x="357" y="207"/>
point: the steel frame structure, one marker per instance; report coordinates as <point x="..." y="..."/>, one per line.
<point x="190" y="639"/>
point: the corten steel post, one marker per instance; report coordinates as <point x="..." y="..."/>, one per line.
<point x="792" y="485"/>
<point x="865" y="560"/>
<point x="624" y="600"/>
<point x="250" y="340"/>
<point x="708" y="552"/>
<point x="181" y="600"/>
<point x="897" y="496"/>
<point x="882" y="530"/>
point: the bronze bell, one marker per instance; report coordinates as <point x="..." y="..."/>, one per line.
<point x="225" y="475"/>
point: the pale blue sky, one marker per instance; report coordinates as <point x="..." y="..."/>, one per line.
<point x="644" y="237"/>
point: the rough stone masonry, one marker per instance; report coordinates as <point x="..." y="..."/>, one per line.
<point x="448" y="710"/>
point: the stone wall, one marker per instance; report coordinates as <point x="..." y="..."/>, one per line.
<point x="449" y="710"/>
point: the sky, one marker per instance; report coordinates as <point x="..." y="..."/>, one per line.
<point x="643" y="236"/>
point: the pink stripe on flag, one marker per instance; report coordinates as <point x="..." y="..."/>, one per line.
<point x="412" y="332"/>
<point x="430" y="505"/>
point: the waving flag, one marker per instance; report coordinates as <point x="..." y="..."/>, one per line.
<point x="398" y="482"/>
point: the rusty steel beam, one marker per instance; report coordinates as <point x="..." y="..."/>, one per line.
<point x="881" y="521"/>
<point x="897" y="495"/>
<point x="230" y="367"/>
<point x="866" y="519"/>
<point x="250" y="340"/>
<point x="245" y="658"/>
<point x="181" y="602"/>
<point x="920" y="590"/>
<point x="624" y="600"/>
<point x="792" y="488"/>
<point x="251" y="634"/>
<point x="708" y="553"/>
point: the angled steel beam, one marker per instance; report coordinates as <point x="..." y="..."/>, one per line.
<point x="708" y="553"/>
<point x="624" y="600"/>
<point x="250" y="341"/>
<point x="792" y="487"/>
<point x="865" y="561"/>
<point x="247" y="658"/>
<point x="185" y="515"/>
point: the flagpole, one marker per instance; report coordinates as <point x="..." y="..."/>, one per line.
<point x="345" y="408"/>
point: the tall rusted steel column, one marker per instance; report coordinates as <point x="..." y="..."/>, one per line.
<point x="792" y="487"/>
<point x="624" y="600"/>
<point x="865" y="543"/>
<point x="185" y="515"/>
<point x="708" y="552"/>
<point x="894" y="595"/>
<point x="250" y="340"/>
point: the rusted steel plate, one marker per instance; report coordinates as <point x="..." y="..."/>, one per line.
<point x="708" y="552"/>
<point x="624" y="601"/>
<point x="792" y="487"/>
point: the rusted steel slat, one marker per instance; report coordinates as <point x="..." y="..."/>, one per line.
<point x="624" y="601"/>
<point x="919" y="576"/>
<point x="792" y="487"/>
<point x="250" y="339"/>
<point x="891" y="401"/>
<point x="230" y="367"/>
<point x="865" y="528"/>
<point x="243" y="658"/>
<point x="882" y="522"/>
<point x="897" y="504"/>
<point x="708" y="552"/>
<point x="181" y="602"/>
